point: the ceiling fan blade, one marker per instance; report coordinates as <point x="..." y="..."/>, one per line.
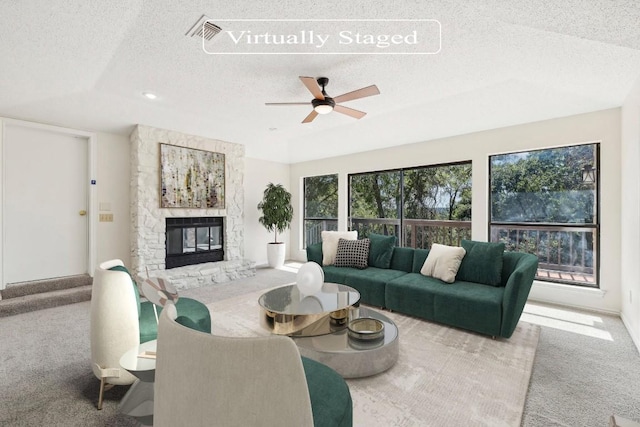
<point x="356" y="114"/>
<point x="286" y="103"/>
<point x="312" y="115"/>
<point x="357" y="94"/>
<point x="313" y="87"/>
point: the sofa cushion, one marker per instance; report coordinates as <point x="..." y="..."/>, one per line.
<point x="352" y="253"/>
<point x="402" y="259"/>
<point x="314" y="253"/>
<point x="411" y="294"/>
<point x="443" y="262"/>
<point x="371" y="283"/>
<point x="381" y="250"/>
<point x="465" y="305"/>
<point x="482" y="263"/>
<point x="330" y="244"/>
<point x="334" y="274"/>
<point x="419" y="256"/>
<point x="471" y="306"/>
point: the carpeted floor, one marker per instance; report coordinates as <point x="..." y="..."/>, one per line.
<point x="586" y="367"/>
<point x="444" y="376"/>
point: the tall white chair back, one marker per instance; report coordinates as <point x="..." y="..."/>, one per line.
<point x="115" y="327"/>
<point x="205" y="380"/>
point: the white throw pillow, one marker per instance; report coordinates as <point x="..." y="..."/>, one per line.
<point x="443" y="262"/>
<point x="330" y="244"/>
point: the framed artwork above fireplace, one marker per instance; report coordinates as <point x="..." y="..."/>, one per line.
<point x="191" y="178"/>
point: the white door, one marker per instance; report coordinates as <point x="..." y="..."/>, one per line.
<point x="45" y="203"/>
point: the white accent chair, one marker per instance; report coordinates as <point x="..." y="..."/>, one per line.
<point x="204" y="380"/>
<point x="114" y="325"/>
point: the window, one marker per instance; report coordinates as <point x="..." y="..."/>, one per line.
<point x="320" y="207"/>
<point x="541" y="204"/>
<point x="420" y="206"/>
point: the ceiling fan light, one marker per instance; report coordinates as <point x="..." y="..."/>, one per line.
<point x="323" y="109"/>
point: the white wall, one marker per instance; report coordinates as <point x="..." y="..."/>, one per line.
<point x="630" y="213"/>
<point x="258" y="173"/>
<point x="603" y="126"/>
<point x="113" y="197"/>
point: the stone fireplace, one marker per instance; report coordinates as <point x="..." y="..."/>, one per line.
<point x="149" y="239"/>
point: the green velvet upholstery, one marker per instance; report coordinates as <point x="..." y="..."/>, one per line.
<point x="148" y="324"/>
<point x="482" y="263"/>
<point x="314" y="253"/>
<point x="402" y="259"/>
<point x="520" y="269"/>
<point x="197" y="313"/>
<point x="334" y="274"/>
<point x="465" y="305"/>
<point x="411" y="294"/>
<point x="381" y="250"/>
<point x="135" y="285"/>
<point x="187" y="322"/>
<point x="419" y="257"/>
<point x="371" y="283"/>
<point x="330" y="397"/>
<point x="471" y="306"/>
<point x="487" y="309"/>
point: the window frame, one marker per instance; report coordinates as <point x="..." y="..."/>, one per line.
<point x="401" y="235"/>
<point x="559" y="226"/>
<point x="304" y="206"/>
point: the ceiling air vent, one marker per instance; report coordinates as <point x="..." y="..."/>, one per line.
<point x="204" y="28"/>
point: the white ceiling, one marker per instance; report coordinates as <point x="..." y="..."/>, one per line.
<point x="85" y="64"/>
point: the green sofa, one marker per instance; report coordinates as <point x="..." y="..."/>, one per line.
<point x="488" y="309"/>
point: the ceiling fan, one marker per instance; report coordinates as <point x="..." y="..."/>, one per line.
<point x="324" y="104"/>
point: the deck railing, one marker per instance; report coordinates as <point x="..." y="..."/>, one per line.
<point x="565" y="252"/>
<point x="313" y="228"/>
<point x="418" y="233"/>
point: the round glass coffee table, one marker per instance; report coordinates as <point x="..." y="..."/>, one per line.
<point x="286" y="311"/>
<point x="350" y="357"/>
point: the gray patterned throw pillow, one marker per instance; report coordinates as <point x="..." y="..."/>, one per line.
<point x="352" y="253"/>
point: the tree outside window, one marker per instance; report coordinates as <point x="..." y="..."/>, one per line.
<point x="541" y="205"/>
<point x="320" y="206"/>
<point x="420" y="206"/>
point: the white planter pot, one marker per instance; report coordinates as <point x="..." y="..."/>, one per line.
<point x="275" y="254"/>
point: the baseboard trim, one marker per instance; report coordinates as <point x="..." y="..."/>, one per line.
<point x="574" y="306"/>
<point x="631" y="331"/>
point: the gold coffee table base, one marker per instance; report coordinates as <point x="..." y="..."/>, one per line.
<point x="304" y="325"/>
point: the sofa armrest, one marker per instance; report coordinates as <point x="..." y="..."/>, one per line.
<point x="314" y="253"/>
<point x="516" y="292"/>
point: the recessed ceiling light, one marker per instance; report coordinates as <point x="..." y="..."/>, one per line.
<point x="149" y="95"/>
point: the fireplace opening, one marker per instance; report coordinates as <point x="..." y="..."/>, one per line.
<point x="193" y="240"/>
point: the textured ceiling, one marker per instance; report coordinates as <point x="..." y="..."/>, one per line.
<point x="85" y="65"/>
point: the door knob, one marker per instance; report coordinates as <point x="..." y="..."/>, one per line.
<point x="82" y="212"/>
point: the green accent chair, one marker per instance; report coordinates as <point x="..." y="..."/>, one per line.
<point x="203" y="379"/>
<point x="120" y="321"/>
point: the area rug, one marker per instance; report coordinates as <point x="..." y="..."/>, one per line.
<point x="444" y="376"/>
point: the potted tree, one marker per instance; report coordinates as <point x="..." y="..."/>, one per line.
<point x="277" y="214"/>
